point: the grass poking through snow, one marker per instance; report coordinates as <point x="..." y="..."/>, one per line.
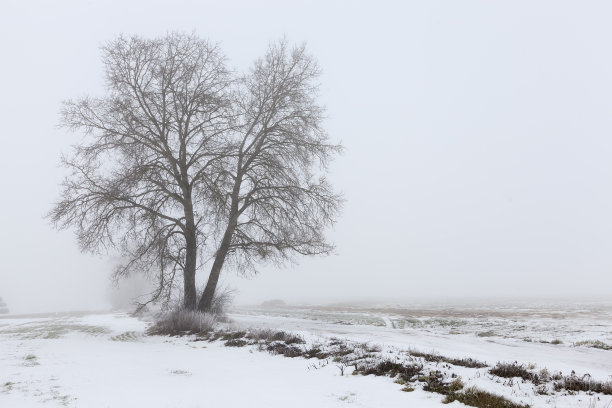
<point x="475" y="397"/>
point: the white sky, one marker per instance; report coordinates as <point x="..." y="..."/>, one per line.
<point x="478" y="162"/>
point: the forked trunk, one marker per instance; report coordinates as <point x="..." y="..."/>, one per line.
<point x="213" y="279"/>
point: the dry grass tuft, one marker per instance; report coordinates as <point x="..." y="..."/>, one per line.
<point x="511" y="370"/>
<point x="181" y="321"/>
<point x="598" y="344"/>
<point x="482" y="399"/>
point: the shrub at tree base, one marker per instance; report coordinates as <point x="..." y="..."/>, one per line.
<point x="181" y="321"/>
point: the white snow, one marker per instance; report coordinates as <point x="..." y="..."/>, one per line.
<point x="105" y="360"/>
<point x="87" y="368"/>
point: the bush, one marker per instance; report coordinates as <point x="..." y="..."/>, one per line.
<point x="434" y="382"/>
<point x="181" y="321"/>
<point x="456" y="385"/>
<point x="479" y="398"/>
<point x="594" y="343"/>
<point x="316" y="351"/>
<point x="390" y="368"/>
<point x="236" y="343"/>
<point x="271" y="335"/>
<point x="511" y="370"/>
<point x="584" y="383"/>
<point x="284" y="349"/>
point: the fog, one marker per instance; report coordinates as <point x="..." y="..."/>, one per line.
<point x="477" y="138"/>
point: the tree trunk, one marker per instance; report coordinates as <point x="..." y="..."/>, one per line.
<point x="191" y="254"/>
<point x="213" y="279"/>
<point x="189" y="289"/>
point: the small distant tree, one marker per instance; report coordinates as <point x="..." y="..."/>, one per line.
<point x="3" y="308"/>
<point x="184" y="159"/>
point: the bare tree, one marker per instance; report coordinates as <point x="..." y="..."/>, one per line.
<point x="139" y="181"/>
<point x="183" y="159"/>
<point x="274" y="200"/>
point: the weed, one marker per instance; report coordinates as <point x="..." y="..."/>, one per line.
<point x="284" y="349"/>
<point x="271" y="335"/>
<point x="391" y="369"/>
<point x="571" y="383"/>
<point x="512" y="370"/>
<point x="30" y="360"/>
<point x="466" y="362"/>
<point x="236" y="343"/>
<point x="456" y="385"/>
<point x="232" y="335"/>
<point x="598" y="344"/>
<point x="315" y="351"/>
<point x="436" y="358"/>
<point x="584" y="383"/>
<point x="434" y="382"/>
<point x="342" y="366"/>
<point x="288" y="338"/>
<point x="370" y="348"/>
<point x="482" y="399"/>
<point x="334" y="341"/>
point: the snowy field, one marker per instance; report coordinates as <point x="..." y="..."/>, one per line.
<point x="106" y="360"/>
<point x="550" y="335"/>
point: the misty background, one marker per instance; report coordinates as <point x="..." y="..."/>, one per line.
<point x="478" y="157"/>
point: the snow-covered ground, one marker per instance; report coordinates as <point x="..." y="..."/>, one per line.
<point x="495" y="333"/>
<point x="105" y="360"/>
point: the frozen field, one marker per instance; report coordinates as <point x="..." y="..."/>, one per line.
<point x="559" y="337"/>
<point x="105" y="360"/>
